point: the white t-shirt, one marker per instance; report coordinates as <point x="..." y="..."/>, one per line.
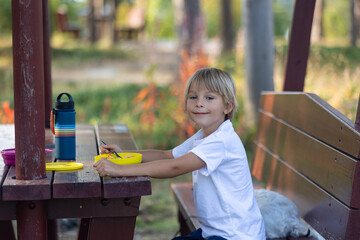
<point x="223" y="191"/>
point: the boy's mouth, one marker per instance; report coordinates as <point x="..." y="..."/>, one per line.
<point x="200" y="113"/>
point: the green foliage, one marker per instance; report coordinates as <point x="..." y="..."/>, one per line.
<point x="282" y="16"/>
<point x="160" y="19"/>
<point x="5" y="17"/>
<point x="212" y="12"/>
<point x="336" y="19"/>
<point x="103" y="105"/>
<point x="337" y="58"/>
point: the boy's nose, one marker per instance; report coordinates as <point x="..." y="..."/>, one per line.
<point x="199" y="103"/>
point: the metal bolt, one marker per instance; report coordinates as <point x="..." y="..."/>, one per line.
<point x="32" y="205"/>
<point x="127" y="201"/>
<point x="105" y="201"/>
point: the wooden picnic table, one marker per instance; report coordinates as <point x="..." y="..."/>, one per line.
<point x="107" y="206"/>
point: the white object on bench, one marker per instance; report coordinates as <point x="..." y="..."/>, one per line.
<point x="281" y="216"/>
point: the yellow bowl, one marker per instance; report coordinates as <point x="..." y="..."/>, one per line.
<point x="137" y="158"/>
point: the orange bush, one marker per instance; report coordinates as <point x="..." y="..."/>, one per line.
<point x="154" y="105"/>
<point x="6" y="113"/>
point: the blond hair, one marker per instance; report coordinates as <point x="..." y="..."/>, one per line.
<point x="218" y="81"/>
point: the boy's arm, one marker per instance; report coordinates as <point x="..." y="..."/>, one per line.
<point x="147" y="155"/>
<point x="150" y="155"/>
<point x="166" y="168"/>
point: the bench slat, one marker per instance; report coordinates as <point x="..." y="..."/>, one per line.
<point x="183" y="194"/>
<point x="331" y="169"/>
<point x="314" y="116"/>
<point x="331" y="218"/>
<point x="120" y="135"/>
<point x="85" y="183"/>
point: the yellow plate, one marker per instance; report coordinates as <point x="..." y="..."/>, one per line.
<point x="63" y="166"/>
<point x="137" y="158"/>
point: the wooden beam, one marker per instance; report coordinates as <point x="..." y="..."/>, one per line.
<point x="28" y="68"/>
<point x="299" y="45"/>
<point x="47" y="63"/>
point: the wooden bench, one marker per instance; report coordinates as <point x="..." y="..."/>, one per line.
<point x="107" y="206"/>
<point x="307" y="151"/>
<point x="134" y="26"/>
<point x="63" y="25"/>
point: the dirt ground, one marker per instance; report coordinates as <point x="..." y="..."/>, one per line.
<point x="162" y="56"/>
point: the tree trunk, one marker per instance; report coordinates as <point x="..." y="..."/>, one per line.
<point x="91" y="20"/>
<point x="192" y="37"/>
<point x="227" y="27"/>
<point x="317" y="29"/>
<point x="259" y="49"/>
<point x="355" y="21"/>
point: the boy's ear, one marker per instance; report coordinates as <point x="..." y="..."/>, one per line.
<point x="229" y="107"/>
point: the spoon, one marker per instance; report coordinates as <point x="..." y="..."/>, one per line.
<point x="117" y="155"/>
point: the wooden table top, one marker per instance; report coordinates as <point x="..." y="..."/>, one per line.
<point x="83" y="183"/>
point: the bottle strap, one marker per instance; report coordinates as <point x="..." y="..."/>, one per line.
<point x="52" y="121"/>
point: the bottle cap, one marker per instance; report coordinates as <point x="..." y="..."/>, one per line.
<point x="64" y="104"/>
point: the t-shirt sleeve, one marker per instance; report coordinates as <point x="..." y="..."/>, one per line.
<point x="185" y="147"/>
<point x="212" y="152"/>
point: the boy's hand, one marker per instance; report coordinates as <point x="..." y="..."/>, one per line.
<point x="104" y="149"/>
<point x="106" y="168"/>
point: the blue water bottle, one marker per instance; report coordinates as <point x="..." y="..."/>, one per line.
<point x="63" y="126"/>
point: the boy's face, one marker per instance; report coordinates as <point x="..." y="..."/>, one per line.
<point x="207" y="109"/>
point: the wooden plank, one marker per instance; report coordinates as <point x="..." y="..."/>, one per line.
<point x="85" y="182"/>
<point x="92" y="207"/>
<point x="14" y="189"/>
<point x="332" y="170"/>
<point x="39" y="189"/>
<point x="120" y="135"/>
<point x="331" y="218"/>
<point x="21" y="189"/>
<point x="314" y="116"/>
<point x="7" y="140"/>
<point x="183" y="194"/>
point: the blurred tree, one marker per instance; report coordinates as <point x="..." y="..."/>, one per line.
<point x="259" y="49"/>
<point x="190" y="26"/>
<point x="227" y="26"/>
<point x="355" y="21"/>
<point x="317" y="32"/>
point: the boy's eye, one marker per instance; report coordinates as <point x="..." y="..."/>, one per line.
<point x="209" y="98"/>
<point x="192" y="97"/>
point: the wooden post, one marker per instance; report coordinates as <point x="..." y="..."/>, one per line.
<point x="299" y="45"/>
<point x="28" y="68"/>
<point x="357" y="121"/>
<point x="47" y="63"/>
<point x="31" y="218"/>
